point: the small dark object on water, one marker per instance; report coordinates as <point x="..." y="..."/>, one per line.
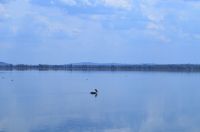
<point x="96" y="92"/>
<point x="11" y="80"/>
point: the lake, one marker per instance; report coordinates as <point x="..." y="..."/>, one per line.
<point x="60" y="101"/>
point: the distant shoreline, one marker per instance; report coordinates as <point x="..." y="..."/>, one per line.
<point x="105" y="67"/>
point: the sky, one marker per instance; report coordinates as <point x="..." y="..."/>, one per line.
<point x="101" y="31"/>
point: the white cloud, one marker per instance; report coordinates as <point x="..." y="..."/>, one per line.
<point x="155" y="13"/>
<point x="1" y="9"/>
<point x="51" y="20"/>
<point x="150" y="9"/>
<point x="119" y="4"/>
<point x="154" y="26"/>
<point x="69" y="2"/>
<point x="156" y="16"/>
<point x="21" y="17"/>
<point x="123" y="4"/>
<point x="3" y="12"/>
<point x="80" y="2"/>
<point x="54" y="22"/>
<point x="87" y="3"/>
<point x="64" y="27"/>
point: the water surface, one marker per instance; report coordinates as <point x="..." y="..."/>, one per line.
<point x="35" y="101"/>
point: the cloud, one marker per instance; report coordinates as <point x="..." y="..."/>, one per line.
<point x="63" y="23"/>
<point x="118" y="4"/>
<point x="46" y="21"/>
<point x="2" y="9"/>
<point x="153" y="12"/>
<point x="122" y="4"/>
<point x="3" y="13"/>
<point x="34" y="20"/>
<point x="69" y="2"/>
<point x="98" y="24"/>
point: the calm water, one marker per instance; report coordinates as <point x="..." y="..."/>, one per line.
<point x="127" y="102"/>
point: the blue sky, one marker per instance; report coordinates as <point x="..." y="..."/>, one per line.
<point x="118" y="31"/>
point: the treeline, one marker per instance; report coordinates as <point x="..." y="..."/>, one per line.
<point x="106" y="67"/>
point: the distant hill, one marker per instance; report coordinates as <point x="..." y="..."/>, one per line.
<point x="89" y="66"/>
<point x="84" y="63"/>
<point x="3" y="64"/>
<point x="91" y="63"/>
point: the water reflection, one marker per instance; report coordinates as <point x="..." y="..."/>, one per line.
<point x="59" y="101"/>
<point x="95" y="95"/>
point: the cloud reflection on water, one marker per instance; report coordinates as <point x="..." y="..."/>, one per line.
<point x="54" y="101"/>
